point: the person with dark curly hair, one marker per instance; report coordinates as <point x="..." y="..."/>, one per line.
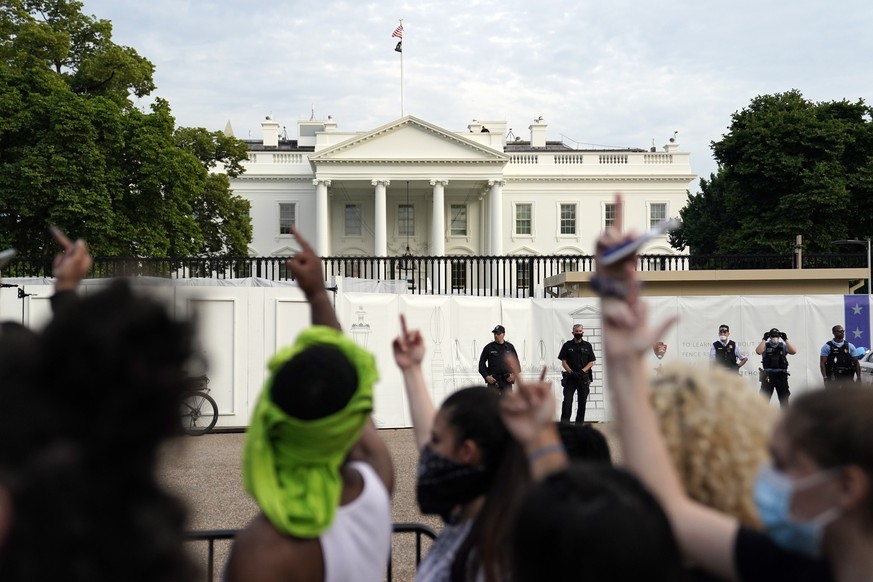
<point x="93" y="398"/>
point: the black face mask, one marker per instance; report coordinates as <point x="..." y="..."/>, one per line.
<point x="577" y="336"/>
<point x="444" y="484"/>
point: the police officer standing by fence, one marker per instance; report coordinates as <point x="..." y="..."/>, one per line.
<point x="577" y="359"/>
<point x="774" y="349"/>
<point x="492" y="363"/>
<point x="837" y="359"/>
<point x="726" y="352"/>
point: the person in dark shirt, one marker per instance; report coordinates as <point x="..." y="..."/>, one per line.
<point x="577" y="359"/>
<point x="492" y="363"/>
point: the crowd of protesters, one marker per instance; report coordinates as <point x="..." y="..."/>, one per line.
<point x="714" y="483"/>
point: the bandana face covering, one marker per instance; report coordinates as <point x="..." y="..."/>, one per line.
<point x="291" y="466"/>
<point x="444" y="484"/>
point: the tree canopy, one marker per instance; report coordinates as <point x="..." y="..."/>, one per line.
<point x="76" y="152"/>
<point x="786" y="166"/>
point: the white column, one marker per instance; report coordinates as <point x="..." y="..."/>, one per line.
<point x="322" y="225"/>
<point x="496" y="216"/>
<point x="438" y="232"/>
<point x="381" y="218"/>
<point x="484" y="239"/>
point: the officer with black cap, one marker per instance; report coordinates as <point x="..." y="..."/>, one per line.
<point x="492" y="363"/>
<point x="774" y="349"/>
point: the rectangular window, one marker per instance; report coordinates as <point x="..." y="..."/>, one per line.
<point x="522" y="274"/>
<point x="459" y="275"/>
<point x="287" y="217"/>
<point x="406" y="219"/>
<point x="568" y="219"/>
<point x="458" y="220"/>
<point x="608" y="215"/>
<point x="523" y="218"/>
<point x="353" y="220"/>
<point x="657" y="213"/>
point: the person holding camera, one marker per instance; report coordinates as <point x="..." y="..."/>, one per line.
<point x="774" y="350"/>
<point x="577" y="359"/>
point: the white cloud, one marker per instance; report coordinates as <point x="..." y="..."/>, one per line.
<point x="612" y="73"/>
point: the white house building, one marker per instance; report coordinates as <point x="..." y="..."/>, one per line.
<point x="413" y="185"/>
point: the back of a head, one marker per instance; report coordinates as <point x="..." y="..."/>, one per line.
<point x="583" y="442"/>
<point x="110" y="376"/>
<point x="315" y="383"/>
<point x="596" y="523"/>
<point x="114" y="367"/>
<point x="474" y="413"/>
<point x="835" y="428"/>
<point x="702" y="412"/>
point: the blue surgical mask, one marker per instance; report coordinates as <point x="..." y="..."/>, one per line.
<point x="774" y="492"/>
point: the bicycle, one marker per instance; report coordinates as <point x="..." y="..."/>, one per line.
<point x="198" y="410"/>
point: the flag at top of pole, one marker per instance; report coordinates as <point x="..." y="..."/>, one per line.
<point x="398" y="32"/>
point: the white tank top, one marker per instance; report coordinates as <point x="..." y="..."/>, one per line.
<point x="357" y="545"/>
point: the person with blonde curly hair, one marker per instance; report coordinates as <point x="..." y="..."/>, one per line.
<point x="716" y="431"/>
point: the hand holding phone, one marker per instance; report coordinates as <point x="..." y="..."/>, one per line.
<point x="623" y="250"/>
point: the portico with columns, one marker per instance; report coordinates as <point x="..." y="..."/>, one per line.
<point x="396" y="186"/>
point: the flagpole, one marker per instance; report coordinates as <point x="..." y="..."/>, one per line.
<point x="401" y="75"/>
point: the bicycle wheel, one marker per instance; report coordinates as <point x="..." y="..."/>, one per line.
<point x="199" y="413"/>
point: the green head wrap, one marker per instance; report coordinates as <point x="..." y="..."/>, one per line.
<point x="291" y="466"/>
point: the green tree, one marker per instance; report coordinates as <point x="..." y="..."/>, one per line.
<point x="787" y="166"/>
<point x="75" y="151"/>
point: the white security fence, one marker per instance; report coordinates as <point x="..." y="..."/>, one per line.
<point x="242" y="322"/>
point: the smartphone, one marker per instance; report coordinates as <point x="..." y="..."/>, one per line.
<point x="6" y="256"/>
<point x="619" y="252"/>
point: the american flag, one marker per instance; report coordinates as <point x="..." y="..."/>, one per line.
<point x="398" y="32"/>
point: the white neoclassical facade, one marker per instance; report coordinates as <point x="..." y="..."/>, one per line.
<point x="411" y="184"/>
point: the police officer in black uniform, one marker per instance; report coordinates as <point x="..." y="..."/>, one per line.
<point x="774" y="349"/>
<point x="492" y="363"/>
<point x="837" y="359"/>
<point x="577" y="359"/>
<point x="726" y="352"/>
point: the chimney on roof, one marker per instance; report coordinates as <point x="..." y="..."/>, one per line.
<point x="270" y="130"/>
<point x="538" y="133"/>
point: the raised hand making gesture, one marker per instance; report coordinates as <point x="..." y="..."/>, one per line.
<point x="72" y="264"/>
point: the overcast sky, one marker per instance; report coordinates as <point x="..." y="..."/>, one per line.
<point x="615" y="73"/>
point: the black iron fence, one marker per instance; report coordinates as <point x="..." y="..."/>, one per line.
<point x="210" y="537"/>
<point x="506" y="276"/>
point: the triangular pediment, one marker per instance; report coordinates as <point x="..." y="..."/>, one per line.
<point x="409" y="139"/>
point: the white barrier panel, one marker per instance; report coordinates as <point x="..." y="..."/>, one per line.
<point x="241" y="326"/>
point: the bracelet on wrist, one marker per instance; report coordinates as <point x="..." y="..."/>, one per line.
<point x="546" y="450"/>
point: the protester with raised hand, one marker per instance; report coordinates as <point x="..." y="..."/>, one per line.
<point x="471" y="473"/>
<point x="814" y="501"/>
<point x="313" y="461"/>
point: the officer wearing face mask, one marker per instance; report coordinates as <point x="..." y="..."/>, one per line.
<point x="577" y="359"/>
<point x="774" y="349"/>
<point x="726" y="352"/>
<point x="492" y="363"/>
